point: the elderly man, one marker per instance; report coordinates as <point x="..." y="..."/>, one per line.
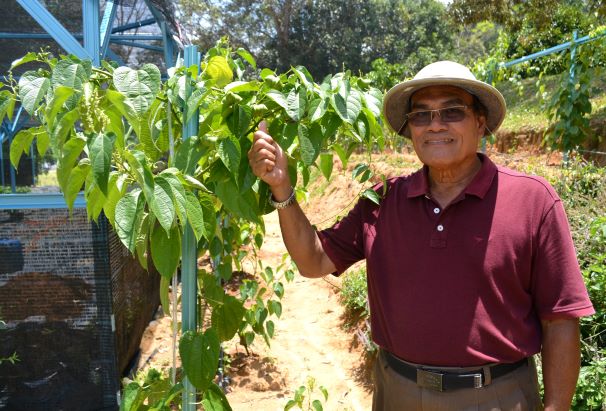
<point x="471" y="266"/>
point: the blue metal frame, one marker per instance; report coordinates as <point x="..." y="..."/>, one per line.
<point x="38" y="201"/>
<point x="96" y="42"/>
<point x="90" y="24"/>
<point x="109" y="16"/>
<point x="189" y="247"/>
<point x="54" y="28"/>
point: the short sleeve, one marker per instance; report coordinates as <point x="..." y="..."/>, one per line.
<point x="344" y="241"/>
<point x="558" y="289"/>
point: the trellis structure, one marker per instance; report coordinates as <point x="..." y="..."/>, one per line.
<point x="98" y="31"/>
<point x="38" y="226"/>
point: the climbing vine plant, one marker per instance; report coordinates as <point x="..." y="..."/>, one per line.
<point x="117" y="135"/>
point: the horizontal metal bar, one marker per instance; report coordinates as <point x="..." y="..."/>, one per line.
<point x="133" y="25"/>
<point x="79" y="36"/>
<point x="551" y="50"/>
<point x="37" y="201"/>
<point x="138" y="45"/>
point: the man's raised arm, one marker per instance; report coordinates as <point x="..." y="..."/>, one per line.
<point x="269" y="162"/>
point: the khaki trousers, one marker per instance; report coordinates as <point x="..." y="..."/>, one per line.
<point x="515" y="391"/>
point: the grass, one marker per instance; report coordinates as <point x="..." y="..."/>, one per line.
<point x="525" y="107"/>
<point x="47" y="179"/>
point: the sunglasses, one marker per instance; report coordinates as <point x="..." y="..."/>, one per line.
<point x="424" y="118"/>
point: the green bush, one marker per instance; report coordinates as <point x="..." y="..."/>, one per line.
<point x="354" y="293"/>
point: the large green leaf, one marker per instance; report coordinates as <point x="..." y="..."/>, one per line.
<point x="347" y="102"/>
<point x="32" y="89"/>
<point x="326" y="164"/>
<point x="116" y="189"/>
<point x="317" y="108"/>
<point x="217" y="69"/>
<point x="241" y="86"/>
<point x="226" y="318"/>
<point x="373" y="100"/>
<point x="133" y="397"/>
<point x="247" y="56"/>
<point x="229" y="152"/>
<point x="129" y="211"/>
<point x="94" y="199"/>
<point x="6" y="103"/>
<point x="75" y="181"/>
<point x="187" y="155"/>
<point x="210" y="216"/>
<point x="164" y="295"/>
<point x="165" y="250"/>
<point x="140" y="87"/>
<point x="178" y="193"/>
<point x="70" y="74"/>
<point x="21" y="144"/>
<point x="100" y="153"/>
<point x="200" y="357"/>
<point x="59" y="97"/>
<point x="195" y="215"/>
<point x="214" y="399"/>
<point x="70" y="154"/>
<point x="310" y="143"/>
<point x="296" y="102"/>
<point x="242" y="204"/>
<point x="64" y="127"/>
<point x="278" y="98"/>
<point x="143" y="234"/>
<point x="162" y="204"/>
<point x="31" y="56"/>
<point x="239" y="120"/>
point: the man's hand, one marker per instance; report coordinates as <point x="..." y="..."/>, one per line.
<point x="269" y="162"/>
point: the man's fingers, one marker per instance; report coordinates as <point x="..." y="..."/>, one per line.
<point x="263" y="126"/>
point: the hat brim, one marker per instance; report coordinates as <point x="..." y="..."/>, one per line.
<point x="397" y="100"/>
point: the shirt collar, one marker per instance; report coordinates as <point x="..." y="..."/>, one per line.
<point x="419" y="181"/>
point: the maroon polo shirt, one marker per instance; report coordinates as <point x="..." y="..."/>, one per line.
<point x="465" y="285"/>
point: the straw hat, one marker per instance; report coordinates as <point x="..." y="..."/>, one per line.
<point x="396" y="103"/>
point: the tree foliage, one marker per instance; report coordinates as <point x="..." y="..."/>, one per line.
<point x="328" y="35"/>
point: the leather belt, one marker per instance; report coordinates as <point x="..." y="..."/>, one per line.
<point x="443" y="380"/>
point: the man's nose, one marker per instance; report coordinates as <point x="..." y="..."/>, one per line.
<point x="435" y="122"/>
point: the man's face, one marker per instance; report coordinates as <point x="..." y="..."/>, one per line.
<point x="441" y="144"/>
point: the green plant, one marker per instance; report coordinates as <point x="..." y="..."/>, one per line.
<point x="13" y="358"/>
<point x="119" y="134"/>
<point x="354" y="293"/>
<point x="152" y="391"/>
<point x="19" y="190"/>
<point x="304" y="397"/>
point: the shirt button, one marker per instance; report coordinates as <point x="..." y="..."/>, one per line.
<point x="440" y="227"/>
<point x="436" y="210"/>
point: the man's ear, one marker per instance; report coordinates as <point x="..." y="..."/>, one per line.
<point x="481" y="123"/>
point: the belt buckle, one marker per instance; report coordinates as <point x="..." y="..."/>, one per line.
<point x="429" y="379"/>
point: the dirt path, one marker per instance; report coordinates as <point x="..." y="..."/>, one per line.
<point x="309" y="342"/>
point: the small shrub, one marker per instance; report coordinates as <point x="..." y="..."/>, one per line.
<point x="354" y="293"/>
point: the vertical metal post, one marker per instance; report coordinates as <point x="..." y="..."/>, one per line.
<point x="571" y="79"/>
<point x="189" y="246"/>
<point x="109" y="14"/>
<point x="90" y="26"/>
<point x="2" y="157"/>
<point x="32" y="154"/>
<point x="489" y="81"/>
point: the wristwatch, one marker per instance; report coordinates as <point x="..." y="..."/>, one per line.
<point x="283" y="204"/>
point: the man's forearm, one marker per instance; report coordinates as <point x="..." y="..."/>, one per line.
<point x="303" y="244"/>
<point x="560" y="357"/>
